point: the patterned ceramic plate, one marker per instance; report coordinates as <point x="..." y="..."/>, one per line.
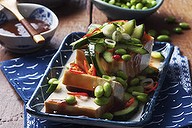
<point x="36" y="103"/>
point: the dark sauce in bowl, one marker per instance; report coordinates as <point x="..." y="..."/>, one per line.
<point x="14" y="27"/>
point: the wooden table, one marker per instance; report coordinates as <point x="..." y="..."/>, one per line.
<point x="76" y="17"/>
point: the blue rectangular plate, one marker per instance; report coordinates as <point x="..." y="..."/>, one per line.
<point x="55" y="67"/>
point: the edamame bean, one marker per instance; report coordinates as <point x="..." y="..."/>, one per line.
<point x="98" y="92"/>
<point x="120" y="51"/>
<point x="107" y="89"/>
<point x="142" y="98"/>
<point x="144" y="8"/>
<point x="163" y="38"/>
<point x="164" y="32"/>
<point x="152" y="32"/>
<point x="70" y="99"/>
<point x="134" y="81"/>
<point x="101" y="101"/>
<point x="112" y="2"/>
<point x="121" y="81"/>
<point x="135" y="88"/>
<point x="122" y="75"/>
<point x="177" y="30"/>
<point x="139" y="6"/>
<point x="170" y="19"/>
<point x="184" y="25"/>
<point x="107" y="115"/>
<point x="126" y="57"/>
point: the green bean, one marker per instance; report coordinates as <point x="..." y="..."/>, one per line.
<point x="71" y="99"/>
<point x="99" y="91"/>
<point x="120" y="51"/>
<point x="184" y="25"/>
<point x="107" y="89"/>
<point x="126" y="57"/>
<point x="134" y="81"/>
<point x="101" y="101"/>
<point x="122" y="75"/>
<point x="177" y="30"/>
<point x="107" y="115"/>
<point x="163" y="38"/>
<point x="127" y="96"/>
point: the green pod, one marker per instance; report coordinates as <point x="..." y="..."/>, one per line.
<point x="101" y="101"/>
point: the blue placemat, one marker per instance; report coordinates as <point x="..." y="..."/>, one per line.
<point x="173" y="108"/>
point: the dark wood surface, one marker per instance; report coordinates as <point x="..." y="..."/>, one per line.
<point x="75" y="17"/>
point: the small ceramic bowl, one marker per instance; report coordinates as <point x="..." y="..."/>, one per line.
<point x="117" y="13"/>
<point x="25" y="44"/>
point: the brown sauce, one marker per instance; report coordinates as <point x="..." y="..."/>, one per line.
<point x="14" y="27"/>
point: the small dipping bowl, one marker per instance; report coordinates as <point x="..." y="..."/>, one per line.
<point x="114" y="12"/>
<point x="25" y="43"/>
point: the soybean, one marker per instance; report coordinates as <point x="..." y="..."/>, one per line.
<point x="121" y="81"/>
<point x="120" y="51"/>
<point x="99" y="91"/>
<point x="122" y="75"/>
<point x="126" y="57"/>
<point x="163" y="38"/>
<point x="70" y="99"/>
<point x="101" y="101"/>
<point x="177" y="30"/>
<point x="170" y="19"/>
<point x="107" y="89"/>
<point x="152" y="32"/>
<point x="184" y="25"/>
<point x="107" y="115"/>
<point x="134" y="81"/>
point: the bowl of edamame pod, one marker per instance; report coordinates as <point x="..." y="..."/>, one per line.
<point x="127" y="9"/>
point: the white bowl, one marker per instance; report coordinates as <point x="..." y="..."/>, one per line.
<point x="25" y="44"/>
